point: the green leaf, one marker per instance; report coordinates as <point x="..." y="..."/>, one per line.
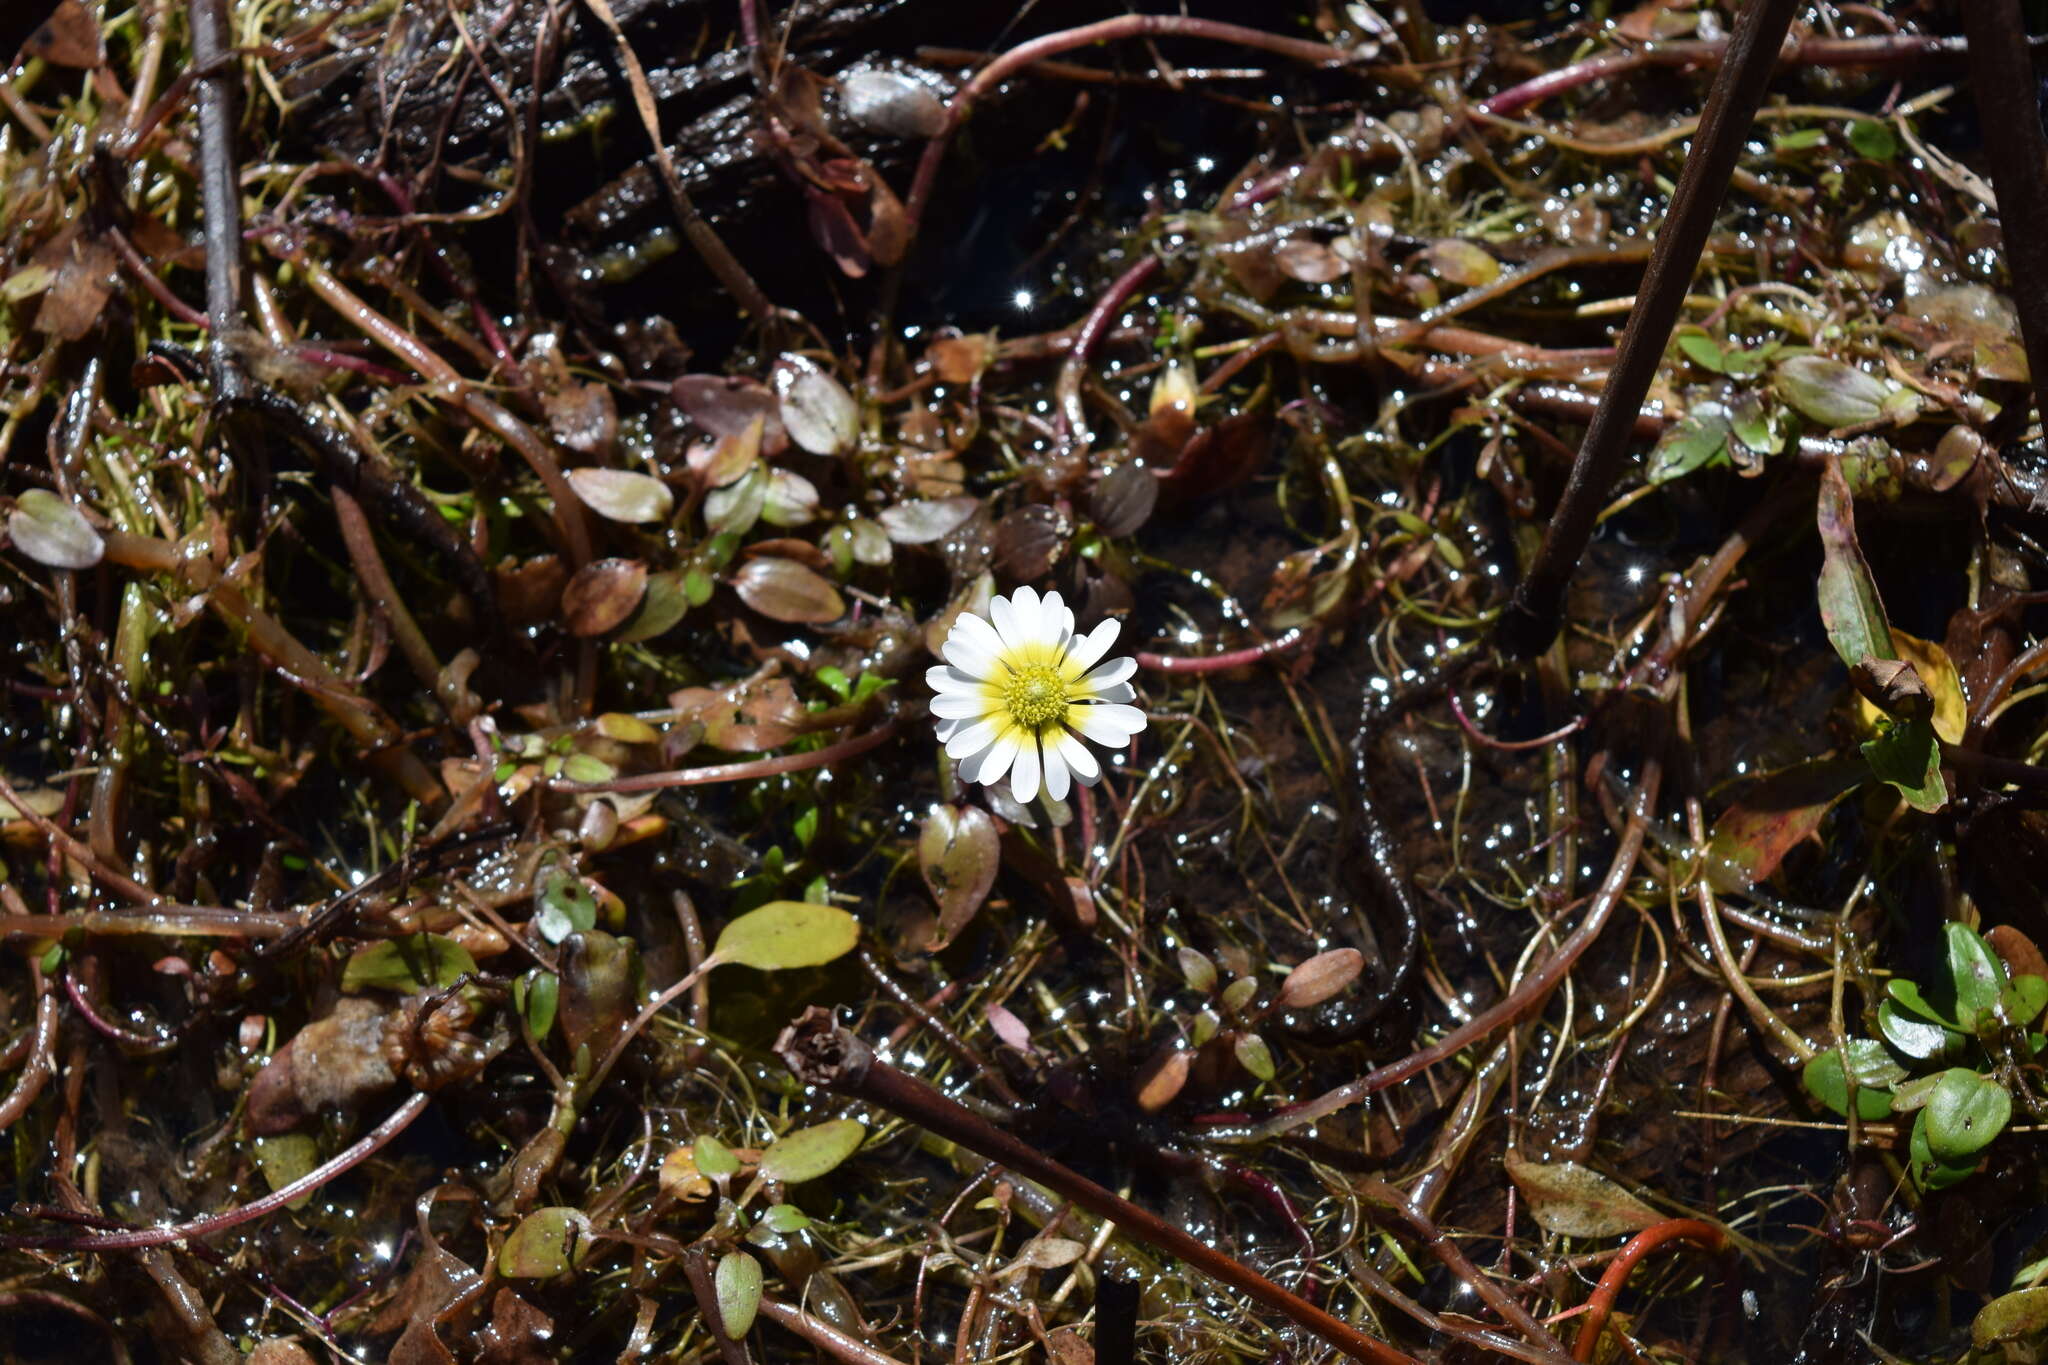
<point x="785" y="934"/>
<point x="2018" y="1317"/>
<point x="1913" y="1095"/>
<point x="588" y="768"/>
<point x="1872" y="1069"/>
<point x="1831" y="393"/>
<point x="1798" y="140"/>
<point x="1907" y="994"/>
<point x="714" y="1158"/>
<point x="566" y="906"/>
<point x="1849" y="605"/>
<point x="1964" y="1114"/>
<point x="1873" y="139"/>
<point x="537" y="995"/>
<point x="1253" y="1055"/>
<point x="1907" y="755"/>
<point x="835" y="681"/>
<point x="2026" y="997"/>
<point x="738" y="1282"/>
<point x="407" y="964"/>
<point x="1929" y="1171"/>
<point x="546" y="1243"/>
<point x="786" y="1218"/>
<point x="1976" y="976"/>
<point x="811" y="1152"/>
<point x="1702" y="350"/>
<point x="1913" y="1037"/>
<point x="285" y="1157"/>
<point x="1697" y="440"/>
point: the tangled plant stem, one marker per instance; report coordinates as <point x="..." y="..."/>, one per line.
<point x="1601" y="1304"/>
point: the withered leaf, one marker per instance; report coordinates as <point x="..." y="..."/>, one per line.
<point x="69" y="37"/>
<point x="1577" y="1201"/>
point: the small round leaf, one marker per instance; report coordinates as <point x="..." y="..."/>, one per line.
<point x="545" y="1244"/>
<point x="1966" y="1111"/>
<point x="52" y="532"/>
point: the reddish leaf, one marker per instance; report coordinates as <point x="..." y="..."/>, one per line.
<point x="1220" y="457"/>
<point x="1753" y="836"/>
<point x="602" y="595"/>
<point x="743" y="717"/>
<point x="727" y="406"/>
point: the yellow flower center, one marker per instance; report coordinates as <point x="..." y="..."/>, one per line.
<point x="1036" y="696"/>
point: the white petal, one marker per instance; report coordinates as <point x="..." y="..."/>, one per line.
<point x="947" y="678"/>
<point x="1110" y="674"/>
<point x="949" y="728"/>
<point x="1108" y="725"/>
<point x="1055" y="768"/>
<point x="973" y="646"/>
<point x="1002" y="613"/>
<point x="960" y="706"/>
<point x="1086" y="770"/>
<point x="974" y="738"/>
<point x="1059" y="619"/>
<point x="1092" y="646"/>
<point x="1117" y="692"/>
<point x="988" y="766"/>
<point x="1024" y="777"/>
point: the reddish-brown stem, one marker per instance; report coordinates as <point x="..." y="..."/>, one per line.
<point x="819" y="1052"/>
<point x="736" y="772"/>
<point x="42" y="1053"/>
<point x="1570" y="727"/>
<point x="1073" y="418"/>
<point x="1642" y="1244"/>
<point x="1872" y="51"/>
<point x="376" y="580"/>
<point x="823" y="1334"/>
<point x="401" y="1119"/>
<point x="1446" y="1250"/>
<point x="1220" y="663"/>
<point x="1066" y="40"/>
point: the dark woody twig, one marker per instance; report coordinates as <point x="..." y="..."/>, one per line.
<point x="821" y="1053"/>
<point x="1531" y="620"/>
<point x="219" y="195"/>
<point x="2002" y="72"/>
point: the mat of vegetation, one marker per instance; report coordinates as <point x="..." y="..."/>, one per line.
<point x="825" y="681"/>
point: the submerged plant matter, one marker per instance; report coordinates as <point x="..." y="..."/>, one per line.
<point x="497" y="500"/>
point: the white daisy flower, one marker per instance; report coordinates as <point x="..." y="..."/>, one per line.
<point x="1018" y="696"/>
